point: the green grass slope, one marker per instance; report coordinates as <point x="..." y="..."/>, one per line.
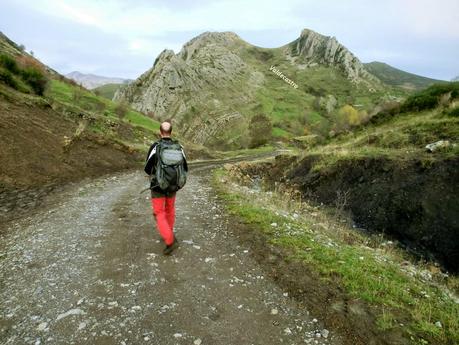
<point x="396" y="77"/>
<point x="296" y="110"/>
<point x="107" y="90"/>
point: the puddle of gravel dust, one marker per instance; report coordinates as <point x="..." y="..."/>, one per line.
<point x="90" y="271"/>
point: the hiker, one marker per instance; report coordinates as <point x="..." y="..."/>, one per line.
<point x="166" y="164"/>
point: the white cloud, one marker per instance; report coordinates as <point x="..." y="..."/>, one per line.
<point x="137" y="31"/>
<point x="149" y="47"/>
<point x="115" y="16"/>
<point x="431" y="18"/>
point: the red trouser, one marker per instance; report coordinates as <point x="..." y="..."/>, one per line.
<point x="164" y="212"/>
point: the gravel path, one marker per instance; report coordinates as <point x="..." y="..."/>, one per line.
<point x="89" y="270"/>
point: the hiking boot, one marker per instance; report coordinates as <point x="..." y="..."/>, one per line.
<point x="170" y="248"/>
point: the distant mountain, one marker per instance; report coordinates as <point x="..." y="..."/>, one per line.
<point x="396" y="77"/>
<point x="455" y="79"/>
<point x="218" y="82"/>
<point x="91" y="81"/>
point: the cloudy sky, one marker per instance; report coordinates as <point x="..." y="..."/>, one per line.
<point x="123" y="37"/>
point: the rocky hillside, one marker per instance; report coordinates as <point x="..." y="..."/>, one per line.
<point x="393" y="76"/>
<point x="218" y="82"/>
<point x="91" y="81"/>
<point x="312" y="49"/>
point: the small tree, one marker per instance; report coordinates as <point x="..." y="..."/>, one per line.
<point x="36" y="79"/>
<point x="260" y="128"/>
<point x="349" y="114"/>
<point x="33" y="73"/>
<point x="7" y="78"/>
<point x="9" y="63"/>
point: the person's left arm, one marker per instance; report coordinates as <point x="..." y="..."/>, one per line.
<point x="151" y="159"/>
<point x="185" y="164"/>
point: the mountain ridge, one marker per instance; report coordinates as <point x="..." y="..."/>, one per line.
<point x="218" y="78"/>
<point x="397" y="77"/>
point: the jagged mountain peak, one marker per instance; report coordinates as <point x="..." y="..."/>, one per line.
<point x="314" y="48"/>
<point x="218" y="40"/>
<point x="215" y="37"/>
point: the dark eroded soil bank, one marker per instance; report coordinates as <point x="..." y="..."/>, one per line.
<point x="415" y="202"/>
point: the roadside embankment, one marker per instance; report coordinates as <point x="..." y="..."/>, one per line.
<point x="362" y="284"/>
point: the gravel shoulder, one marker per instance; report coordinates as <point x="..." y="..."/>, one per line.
<point x="89" y="269"/>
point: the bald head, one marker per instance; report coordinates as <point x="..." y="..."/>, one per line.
<point x="165" y="129"/>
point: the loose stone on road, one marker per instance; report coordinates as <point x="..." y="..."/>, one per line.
<point x="89" y="270"/>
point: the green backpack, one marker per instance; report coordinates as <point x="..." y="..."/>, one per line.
<point x="170" y="167"/>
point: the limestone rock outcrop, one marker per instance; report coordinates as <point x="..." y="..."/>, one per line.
<point x="315" y="48"/>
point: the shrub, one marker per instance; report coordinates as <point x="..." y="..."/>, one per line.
<point x="36" y="79"/>
<point x="7" y="78"/>
<point x="9" y="63"/>
<point x="25" y="61"/>
<point x="384" y="112"/>
<point x="454" y="112"/>
<point x="430" y="97"/>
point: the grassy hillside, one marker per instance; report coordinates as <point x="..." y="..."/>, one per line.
<point x="103" y="110"/>
<point x="296" y="111"/>
<point x="396" y="77"/>
<point x="107" y="90"/>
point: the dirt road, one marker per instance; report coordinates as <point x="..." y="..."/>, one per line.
<point x="89" y="270"/>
